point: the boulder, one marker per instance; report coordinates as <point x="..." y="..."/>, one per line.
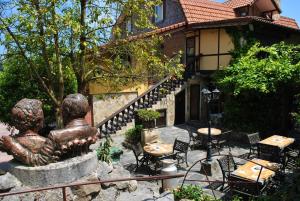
<point x="8" y="181"/>
<point x="103" y="170"/>
<point x="109" y="194"/>
<point x="86" y="192"/>
<point x="166" y="196"/>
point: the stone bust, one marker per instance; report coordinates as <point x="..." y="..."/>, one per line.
<point x="73" y="140"/>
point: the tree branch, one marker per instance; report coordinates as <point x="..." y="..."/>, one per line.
<point x="30" y="63"/>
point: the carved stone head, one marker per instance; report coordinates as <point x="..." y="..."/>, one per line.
<point x="28" y="114"/>
<point x="74" y="106"/>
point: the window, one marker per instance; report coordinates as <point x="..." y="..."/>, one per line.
<point x="159" y="13"/>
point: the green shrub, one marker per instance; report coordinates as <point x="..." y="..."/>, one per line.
<point x="148" y="115"/>
<point x="191" y="192"/>
<point x="133" y="135"/>
<point x="103" y="151"/>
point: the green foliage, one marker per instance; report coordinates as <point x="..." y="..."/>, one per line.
<point x="60" y="40"/>
<point x="263" y="69"/>
<point x="115" y="153"/>
<point x="191" y="192"/>
<point x="261" y="85"/>
<point x="133" y="135"/>
<point x="103" y="151"/>
<point x="17" y="82"/>
<point x="148" y="115"/>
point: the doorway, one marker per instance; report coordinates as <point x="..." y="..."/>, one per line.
<point x="180" y="108"/>
<point x="194" y="102"/>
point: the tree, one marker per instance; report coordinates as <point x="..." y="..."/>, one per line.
<point x="55" y="36"/>
<point x="263" y="83"/>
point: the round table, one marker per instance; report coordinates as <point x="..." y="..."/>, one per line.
<point x="213" y="131"/>
<point x="158" y="149"/>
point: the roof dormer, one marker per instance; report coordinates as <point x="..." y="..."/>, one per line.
<point x="269" y="9"/>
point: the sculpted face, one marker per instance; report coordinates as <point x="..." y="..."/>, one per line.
<point x="74" y="106"/>
<point x="28" y="114"/>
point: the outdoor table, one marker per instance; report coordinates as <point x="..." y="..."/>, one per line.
<point x="158" y="149"/>
<point x="213" y="131"/>
<point x="250" y="170"/>
<point x="278" y="141"/>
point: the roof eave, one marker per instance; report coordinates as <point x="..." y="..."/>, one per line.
<point x="235" y="22"/>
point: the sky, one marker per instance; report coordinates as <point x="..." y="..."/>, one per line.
<point x="290" y="8"/>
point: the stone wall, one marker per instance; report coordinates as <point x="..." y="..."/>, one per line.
<point x="106" y="105"/>
<point x="167" y="103"/>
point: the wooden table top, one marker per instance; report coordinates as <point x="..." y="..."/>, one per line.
<point x="278" y="141"/>
<point x="251" y="169"/>
<point x="204" y="131"/>
<point x="158" y="149"/>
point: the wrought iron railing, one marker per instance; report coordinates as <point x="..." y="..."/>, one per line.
<point x="124" y="115"/>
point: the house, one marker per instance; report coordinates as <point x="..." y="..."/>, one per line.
<point x="207" y="31"/>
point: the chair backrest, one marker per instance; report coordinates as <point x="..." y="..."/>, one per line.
<point x="180" y="146"/>
<point x="253" y="138"/>
<point x="227" y="163"/>
<point x="189" y="129"/>
<point x="270" y="153"/>
<point x="244" y="187"/>
<point x="137" y="149"/>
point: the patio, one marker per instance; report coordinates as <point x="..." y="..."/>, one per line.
<point x="168" y="135"/>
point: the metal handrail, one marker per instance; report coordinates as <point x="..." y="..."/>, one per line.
<point x="132" y="102"/>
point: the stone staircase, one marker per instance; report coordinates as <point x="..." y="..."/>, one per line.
<point x="123" y="119"/>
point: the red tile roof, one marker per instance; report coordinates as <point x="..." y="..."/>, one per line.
<point x="286" y="21"/>
<point x="204" y="10"/>
<point x="238" y="3"/>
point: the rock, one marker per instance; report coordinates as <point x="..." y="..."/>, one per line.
<point x="109" y="194"/>
<point x="132" y="185"/>
<point x="8" y="182"/>
<point x="166" y="196"/>
<point x="51" y="195"/>
<point x="55" y="173"/>
<point x="86" y="192"/>
<point x="103" y="170"/>
<point x="2" y="172"/>
<point x="119" y="172"/>
<point x="20" y="197"/>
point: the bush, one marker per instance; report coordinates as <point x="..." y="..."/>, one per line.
<point x="148" y="115"/>
<point x="103" y="151"/>
<point x="133" y="135"/>
<point x="191" y="192"/>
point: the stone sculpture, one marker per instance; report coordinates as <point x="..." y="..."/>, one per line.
<point x="33" y="150"/>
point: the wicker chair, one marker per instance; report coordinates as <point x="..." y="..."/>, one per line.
<point x="227" y="165"/>
<point x="253" y="142"/>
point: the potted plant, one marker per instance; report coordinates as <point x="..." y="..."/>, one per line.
<point x="147" y="118"/>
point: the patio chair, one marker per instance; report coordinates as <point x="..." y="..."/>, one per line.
<point x="227" y="165"/>
<point x="253" y="140"/>
<point x="292" y="154"/>
<point x="244" y="187"/>
<point x="180" y="150"/>
<point x="220" y="141"/>
<point x="194" y="139"/>
<point x="272" y="154"/>
<point x="140" y="157"/>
